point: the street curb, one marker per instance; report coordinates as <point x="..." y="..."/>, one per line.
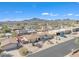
<point x="46" y="48"/>
<point x="72" y="52"/>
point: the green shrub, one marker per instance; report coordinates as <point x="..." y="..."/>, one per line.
<point x="23" y="51"/>
<point x="14" y="34"/>
<point x="5" y="28"/>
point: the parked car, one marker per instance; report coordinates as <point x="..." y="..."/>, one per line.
<point x="46" y="37"/>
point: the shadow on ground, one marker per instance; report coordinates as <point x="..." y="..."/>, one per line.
<point x="11" y="46"/>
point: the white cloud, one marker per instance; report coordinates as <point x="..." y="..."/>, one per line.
<point x="70" y="14"/>
<point x="45" y="13"/>
<point x="77" y="15"/>
<point x="18" y="11"/>
<point x="49" y="14"/>
<point x="53" y="14"/>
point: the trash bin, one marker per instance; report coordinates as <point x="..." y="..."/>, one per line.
<point x="62" y="34"/>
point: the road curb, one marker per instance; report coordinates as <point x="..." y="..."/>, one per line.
<point x="72" y="52"/>
<point x="47" y="48"/>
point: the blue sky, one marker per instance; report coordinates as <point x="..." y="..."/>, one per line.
<point x="47" y="10"/>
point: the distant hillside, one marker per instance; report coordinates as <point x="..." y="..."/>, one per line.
<point x="36" y="20"/>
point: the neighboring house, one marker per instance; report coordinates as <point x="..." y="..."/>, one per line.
<point x="15" y="29"/>
<point x="32" y="37"/>
<point x="68" y="32"/>
<point x="75" y="30"/>
<point x="23" y="31"/>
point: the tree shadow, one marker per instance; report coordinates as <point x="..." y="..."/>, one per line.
<point x="11" y="46"/>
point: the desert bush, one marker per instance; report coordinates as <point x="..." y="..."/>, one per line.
<point x="23" y="51"/>
<point x="5" y="28"/>
<point x="77" y="40"/>
<point x="2" y="35"/>
<point x="1" y="51"/>
<point x="14" y="34"/>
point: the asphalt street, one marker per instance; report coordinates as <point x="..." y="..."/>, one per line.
<point x="59" y="50"/>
